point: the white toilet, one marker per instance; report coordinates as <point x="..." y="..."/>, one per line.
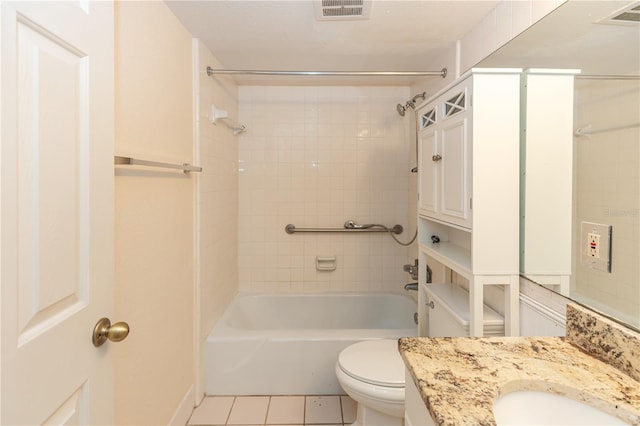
<point x="372" y="373"/>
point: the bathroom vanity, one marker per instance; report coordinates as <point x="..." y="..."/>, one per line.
<point x="452" y="381"/>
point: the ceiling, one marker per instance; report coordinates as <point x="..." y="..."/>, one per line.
<point x="400" y="35"/>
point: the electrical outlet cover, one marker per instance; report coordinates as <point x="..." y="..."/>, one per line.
<point x="595" y="246"/>
<point x="593" y="241"/>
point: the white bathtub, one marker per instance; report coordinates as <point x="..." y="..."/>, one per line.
<point x="287" y="344"/>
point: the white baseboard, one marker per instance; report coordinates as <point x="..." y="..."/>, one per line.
<point x="184" y="410"/>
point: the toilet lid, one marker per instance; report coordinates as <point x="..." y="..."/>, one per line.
<point x="377" y="362"/>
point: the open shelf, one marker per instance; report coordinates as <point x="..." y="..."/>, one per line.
<point x="450" y="255"/>
<point x="425" y="215"/>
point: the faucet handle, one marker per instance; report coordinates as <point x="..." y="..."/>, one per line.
<point x="408" y="267"/>
<point x="412" y="269"/>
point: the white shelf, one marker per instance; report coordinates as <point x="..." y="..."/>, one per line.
<point x="423" y="214"/>
<point x="450" y="255"/>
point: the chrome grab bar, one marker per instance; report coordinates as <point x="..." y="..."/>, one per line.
<point x="397" y="229"/>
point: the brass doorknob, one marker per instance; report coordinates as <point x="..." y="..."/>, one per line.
<point x="104" y="331"/>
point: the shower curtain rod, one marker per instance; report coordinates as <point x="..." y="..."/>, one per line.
<point x="607" y="77"/>
<point x="442" y="73"/>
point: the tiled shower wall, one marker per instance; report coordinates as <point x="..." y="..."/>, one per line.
<point x="608" y="191"/>
<point x="316" y="157"/>
<point x="217" y="198"/>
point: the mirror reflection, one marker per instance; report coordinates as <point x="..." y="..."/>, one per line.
<point x="606" y="205"/>
<point x="602" y="251"/>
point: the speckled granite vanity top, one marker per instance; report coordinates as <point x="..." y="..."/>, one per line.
<point x="459" y="378"/>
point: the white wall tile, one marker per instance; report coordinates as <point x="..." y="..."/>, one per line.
<point x="335" y="153"/>
<point x="540" y="8"/>
<point x="521" y="16"/>
<point x="218" y="198"/>
<point x="479" y="43"/>
<point x="504" y="22"/>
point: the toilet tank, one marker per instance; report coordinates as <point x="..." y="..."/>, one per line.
<point x="448" y="312"/>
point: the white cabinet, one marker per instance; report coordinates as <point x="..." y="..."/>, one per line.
<point x="469" y="187"/>
<point x="444" y="160"/>
<point x="415" y="410"/>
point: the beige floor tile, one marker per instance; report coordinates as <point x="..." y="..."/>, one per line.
<point x="349" y="409"/>
<point x="323" y="410"/>
<point x="286" y="410"/>
<point x="214" y="410"/>
<point x="249" y="410"/>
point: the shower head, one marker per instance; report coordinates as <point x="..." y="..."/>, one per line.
<point x="411" y="103"/>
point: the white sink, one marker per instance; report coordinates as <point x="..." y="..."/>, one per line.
<point x="543" y="408"/>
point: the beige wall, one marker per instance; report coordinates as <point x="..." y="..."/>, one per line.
<point x="217" y="199"/>
<point x="154" y="287"/>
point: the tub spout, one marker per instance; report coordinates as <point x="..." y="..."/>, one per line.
<point x="411" y="286"/>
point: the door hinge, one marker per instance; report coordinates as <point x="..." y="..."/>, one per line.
<point x="471" y="203"/>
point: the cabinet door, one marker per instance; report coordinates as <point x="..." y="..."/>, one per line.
<point x="428" y="199"/>
<point x="454" y="192"/>
<point x="416" y="412"/>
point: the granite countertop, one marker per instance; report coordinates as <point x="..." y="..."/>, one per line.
<point x="459" y="378"/>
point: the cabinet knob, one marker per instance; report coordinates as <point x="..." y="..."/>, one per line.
<point x="436" y="158"/>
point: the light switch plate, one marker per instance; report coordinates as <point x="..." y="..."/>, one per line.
<point x="595" y="246"/>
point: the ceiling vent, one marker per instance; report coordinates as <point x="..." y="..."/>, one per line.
<point x="342" y="10"/>
<point x="627" y="16"/>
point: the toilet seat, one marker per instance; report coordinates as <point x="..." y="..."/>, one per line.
<point x="376" y="362"/>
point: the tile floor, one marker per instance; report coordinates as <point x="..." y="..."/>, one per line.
<point x="275" y="410"/>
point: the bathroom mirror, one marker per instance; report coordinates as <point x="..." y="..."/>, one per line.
<point x="600" y="38"/>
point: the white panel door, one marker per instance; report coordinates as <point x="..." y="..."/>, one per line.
<point x="429" y="172"/>
<point x="57" y="211"/>
<point x="455" y="170"/>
